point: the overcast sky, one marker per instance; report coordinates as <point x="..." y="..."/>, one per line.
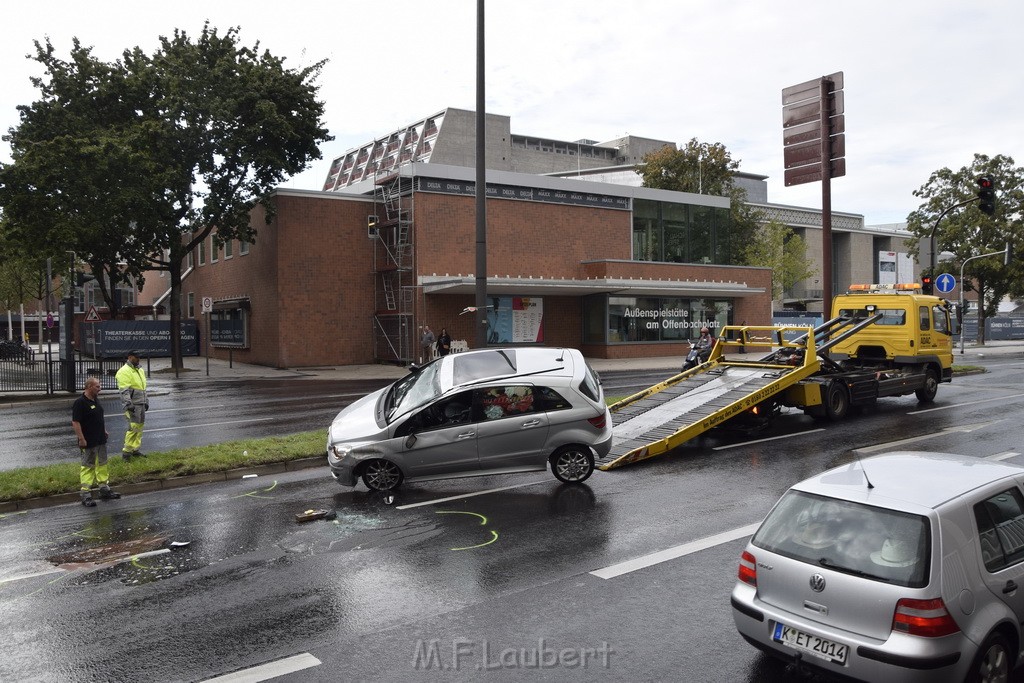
<point x="927" y="82"/>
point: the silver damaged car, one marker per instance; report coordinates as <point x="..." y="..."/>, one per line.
<point x="490" y="411"/>
<point x="902" y="567"/>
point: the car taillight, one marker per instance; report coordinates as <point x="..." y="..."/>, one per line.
<point x="927" y="618"/>
<point x="599" y="421"/>
<point x="748" y="569"/>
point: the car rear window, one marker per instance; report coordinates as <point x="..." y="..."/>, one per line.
<point x="1000" y="522"/>
<point x="873" y="542"/>
<point x="591" y="384"/>
<point x="475" y="366"/>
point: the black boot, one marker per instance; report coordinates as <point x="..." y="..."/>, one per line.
<point x="107" y="494"/>
<point x="87" y="501"/>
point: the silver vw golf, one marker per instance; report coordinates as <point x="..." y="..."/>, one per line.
<point x="902" y="567"/>
<point x="490" y="411"/>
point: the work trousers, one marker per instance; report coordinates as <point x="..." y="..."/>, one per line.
<point x="94" y="468"/>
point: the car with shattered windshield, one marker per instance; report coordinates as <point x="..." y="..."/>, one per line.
<point x="902" y="567"/>
<point x="488" y="411"/>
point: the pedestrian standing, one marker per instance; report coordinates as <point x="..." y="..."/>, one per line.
<point x="131" y="382"/>
<point x="88" y="423"/>
<point x="426" y="341"/>
<point x="444" y="343"/>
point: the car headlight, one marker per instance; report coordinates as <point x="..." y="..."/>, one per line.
<point x="340" y="450"/>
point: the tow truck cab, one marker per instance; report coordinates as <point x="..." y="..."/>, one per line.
<point x="913" y="330"/>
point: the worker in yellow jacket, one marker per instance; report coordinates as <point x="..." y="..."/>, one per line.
<point x="131" y="382"/>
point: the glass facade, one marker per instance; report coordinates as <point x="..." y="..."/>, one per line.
<point x="625" y="319"/>
<point x="680" y="233"/>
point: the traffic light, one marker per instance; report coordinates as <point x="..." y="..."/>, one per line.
<point x="926" y="284"/>
<point x="81" y="278"/>
<point x="987" y="194"/>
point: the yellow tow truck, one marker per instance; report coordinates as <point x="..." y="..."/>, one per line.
<point x="881" y="340"/>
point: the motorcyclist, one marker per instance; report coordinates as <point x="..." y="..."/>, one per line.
<point x="705" y="341"/>
<point x="700" y="349"/>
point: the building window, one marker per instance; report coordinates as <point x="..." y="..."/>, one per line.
<point x="189" y="260"/>
<point x="213" y="250"/>
<point x="202" y="253"/>
<point x="191" y="308"/>
<point x="243" y="247"/>
<point x="680" y="233"/>
<point x="228" y="248"/>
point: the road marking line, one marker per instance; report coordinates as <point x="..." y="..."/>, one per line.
<point x="769" y="438"/>
<point x="178" y="410"/>
<point x="1002" y="456"/>
<point x="673" y="553"/>
<point x="890" y="445"/>
<point x="264" y="672"/>
<point x="46" y="572"/>
<point x="468" y="495"/>
<point x="208" y="424"/>
<point x="961" y="405"/>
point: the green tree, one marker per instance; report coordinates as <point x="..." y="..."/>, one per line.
<point x="968" y="232"/>
<point x="74" y="184"/>
<point x="775" y="245"/>
<point x="175" y="145"/>
<point x="705" y="168"/>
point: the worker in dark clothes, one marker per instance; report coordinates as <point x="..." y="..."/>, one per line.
<point x="91" y="430"/>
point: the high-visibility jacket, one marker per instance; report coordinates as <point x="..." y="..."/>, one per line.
<point x="131" y="382"/>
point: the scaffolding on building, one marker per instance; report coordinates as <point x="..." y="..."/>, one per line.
<point x="395" y="338"/>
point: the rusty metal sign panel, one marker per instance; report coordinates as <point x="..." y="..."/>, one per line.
<point x="812" y="173"/>
<point x="805" y="112"/>
<point x="812" y="131"/>
<point x="807" y="153"/>
<point x="810" y="89"/>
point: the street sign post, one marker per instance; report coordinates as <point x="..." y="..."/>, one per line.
<point x="945" y="283"/>
<point x="814" y="148"/>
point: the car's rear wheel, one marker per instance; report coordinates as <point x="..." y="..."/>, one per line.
<point x="572" y="464"/>
<point x="382" y="475"/>
<point x="993" y="663"/>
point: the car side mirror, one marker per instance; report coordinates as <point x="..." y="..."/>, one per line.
<point x="410" y="441"/>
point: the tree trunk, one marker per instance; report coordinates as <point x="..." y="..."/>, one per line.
<point x="174" y="268"/>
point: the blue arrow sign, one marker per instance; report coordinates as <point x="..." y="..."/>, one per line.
<point x="945" y="283"/>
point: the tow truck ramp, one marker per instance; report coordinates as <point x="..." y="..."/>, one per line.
<point x="681" y="408"/>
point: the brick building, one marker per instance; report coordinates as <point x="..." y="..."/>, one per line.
<point x="577" y="254"/>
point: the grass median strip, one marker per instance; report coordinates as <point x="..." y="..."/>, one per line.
<point x="50" y="480"/>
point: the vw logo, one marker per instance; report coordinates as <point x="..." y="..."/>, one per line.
<point x="817" y="583"/>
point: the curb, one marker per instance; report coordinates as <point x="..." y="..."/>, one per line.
<point x="168" y="484"/>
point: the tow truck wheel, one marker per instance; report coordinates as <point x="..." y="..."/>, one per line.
<point x="926" y="394"/>
<point x="837" y="402"/>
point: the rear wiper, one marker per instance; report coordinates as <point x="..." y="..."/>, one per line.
<point x="825" y="562"/>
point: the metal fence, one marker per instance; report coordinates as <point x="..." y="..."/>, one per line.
<point x="24" y="370"/>
<point x="21" y="369"/>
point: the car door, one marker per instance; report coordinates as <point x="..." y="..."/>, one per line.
<point x="1000" y="522"/>
<point x="512" y="430"/>
<point x="444" y="438"/>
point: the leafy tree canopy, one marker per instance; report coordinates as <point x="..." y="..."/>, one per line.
<point x="775" y="245"/>
<point x="133" y="163"/>
<point x="705" y="168"/>
<point x="967" y="231"/>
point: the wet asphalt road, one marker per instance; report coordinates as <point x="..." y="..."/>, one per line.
<point x="190" y="414"/>
<point x="423" y="588"/>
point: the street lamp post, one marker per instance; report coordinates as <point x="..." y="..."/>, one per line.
<point x="966" y="260"/>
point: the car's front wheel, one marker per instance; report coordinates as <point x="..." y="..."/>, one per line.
<point x="993" y="663"/>
<point x="572" y="464"/>
<point x="382" y="475"/>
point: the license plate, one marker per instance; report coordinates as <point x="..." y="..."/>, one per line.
<point x="813" y="645"/>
